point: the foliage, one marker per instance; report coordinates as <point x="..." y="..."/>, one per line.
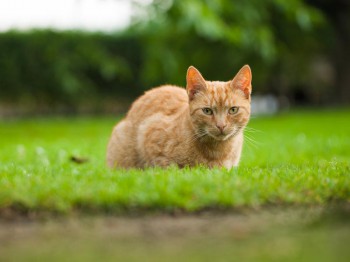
<point x="277" y="38"/>
<point x="48" y="67"/>
<point x="296" y="159"/>
<point x="281" y="40"/>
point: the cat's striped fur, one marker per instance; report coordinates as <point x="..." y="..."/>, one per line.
<point x="168" y="125"/>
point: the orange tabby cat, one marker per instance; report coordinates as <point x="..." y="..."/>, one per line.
<point x="168" y="125"/>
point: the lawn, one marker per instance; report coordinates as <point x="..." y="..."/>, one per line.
<point x="292" y="158"/>
<point x="288" y="201"/>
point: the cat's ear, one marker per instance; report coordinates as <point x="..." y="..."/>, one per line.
<point x="195" y="82"/>
<point x="243" y="81"/>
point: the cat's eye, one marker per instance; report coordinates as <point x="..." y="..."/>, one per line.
<point x="233" y="110"/>
<point x="207" y="111"/>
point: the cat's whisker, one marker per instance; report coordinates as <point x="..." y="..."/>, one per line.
<point x="252" y="130"/>
<point x="236" y="131"/>
<point x="248" y="128"/>
<point x="197" y="136"/>
<point x="250" y="138"/>
<point x="251" y="141"/>
<point x="248" y="143"/>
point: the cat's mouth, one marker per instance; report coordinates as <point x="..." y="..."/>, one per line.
<point x="224" y="136"/>
<point x="220" y="136"/>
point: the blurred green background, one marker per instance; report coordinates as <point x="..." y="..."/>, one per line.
<point x="298" y="50"/>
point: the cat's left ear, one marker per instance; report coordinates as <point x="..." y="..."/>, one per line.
<point x="195" y="82"/>
<point x="243" y="81"/>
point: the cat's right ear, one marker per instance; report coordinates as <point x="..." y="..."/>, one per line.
<point x="195" y="82"/>
<point x="243" y="81"/>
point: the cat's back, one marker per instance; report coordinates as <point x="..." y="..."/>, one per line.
<point x="167" y="100"/>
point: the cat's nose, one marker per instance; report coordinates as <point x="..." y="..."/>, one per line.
<point x="221" y="127"/>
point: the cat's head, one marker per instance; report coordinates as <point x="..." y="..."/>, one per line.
<point x="219" y="109"/>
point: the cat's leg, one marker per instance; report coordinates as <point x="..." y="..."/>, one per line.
<point x="228" y="164"/>
<point x="121" y="151"/>
<point x="237" y="150"/>
<point x="162" y="161"/>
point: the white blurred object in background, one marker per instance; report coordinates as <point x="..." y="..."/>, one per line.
<point x="90" y="15"/>
<point x="265" y="105"/>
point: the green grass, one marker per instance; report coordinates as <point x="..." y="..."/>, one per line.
<point x="295" y="158"/>
<point x="293" y="184"/>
